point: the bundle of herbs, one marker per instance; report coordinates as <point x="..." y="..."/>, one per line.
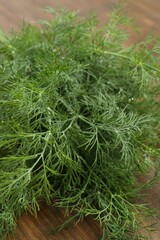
<point x="79" y="121"/>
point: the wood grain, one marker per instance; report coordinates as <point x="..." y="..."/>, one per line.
<point x="147" y="15"/>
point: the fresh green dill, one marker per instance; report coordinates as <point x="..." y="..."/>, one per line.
<point x="79" y="118"/>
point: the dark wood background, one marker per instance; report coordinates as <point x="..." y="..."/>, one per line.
<point x="147" y="16"/>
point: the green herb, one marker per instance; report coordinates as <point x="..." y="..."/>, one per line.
<point x="79" y="121"/>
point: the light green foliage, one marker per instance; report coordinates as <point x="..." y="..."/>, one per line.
<point x="79" y="120"/>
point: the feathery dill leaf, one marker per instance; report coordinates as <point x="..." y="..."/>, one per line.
<point x="79" y="121"/>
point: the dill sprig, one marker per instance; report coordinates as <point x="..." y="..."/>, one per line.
<point x="79" y="121"/>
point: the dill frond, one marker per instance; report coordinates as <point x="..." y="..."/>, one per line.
<point x="79" y="121"/>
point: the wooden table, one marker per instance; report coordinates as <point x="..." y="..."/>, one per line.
<point x="147" y="14"/>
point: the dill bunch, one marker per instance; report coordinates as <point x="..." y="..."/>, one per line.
<point x="79" y="121"/>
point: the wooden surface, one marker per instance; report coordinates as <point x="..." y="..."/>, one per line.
<point x="31" y="228"/>
<point x="147" y="14"/>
